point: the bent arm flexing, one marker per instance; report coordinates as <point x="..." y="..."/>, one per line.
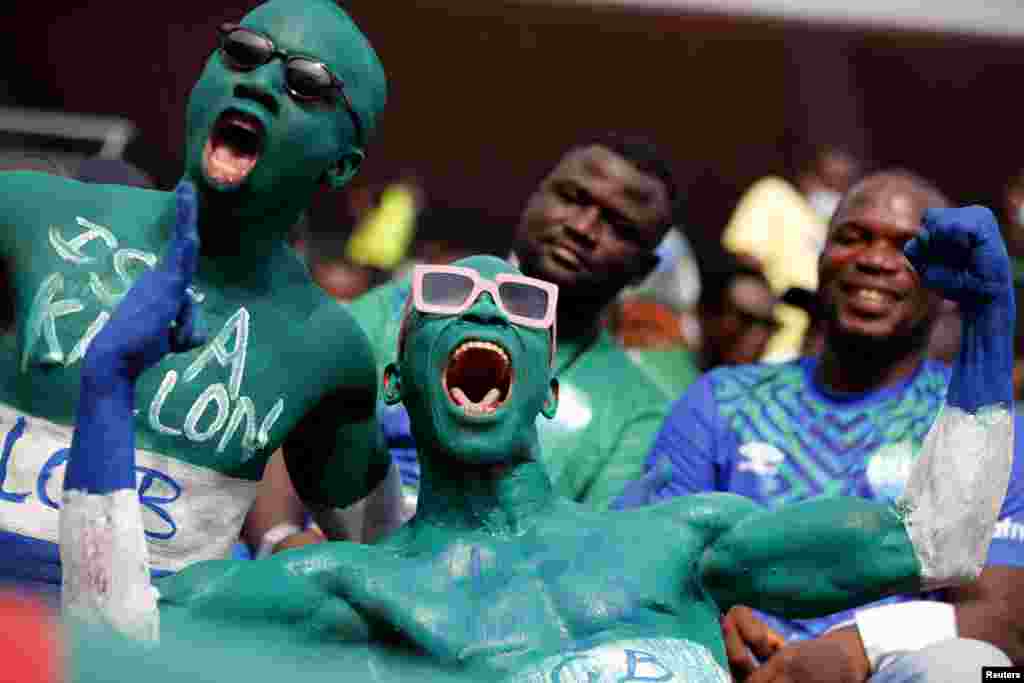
<point x="821" y="556"/>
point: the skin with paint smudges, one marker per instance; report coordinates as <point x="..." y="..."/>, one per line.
<point x="271" y="373"/>
<point x="498" y="578"/>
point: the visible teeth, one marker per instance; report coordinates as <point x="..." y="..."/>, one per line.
<point x="245" y="123"/>
<point x="480" y="345"/>
<point x="871" y="295"/>
<point x="486" y="405"/>
<point x="489" y="403"/>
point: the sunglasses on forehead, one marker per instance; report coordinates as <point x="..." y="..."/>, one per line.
<point x="305" y="78"/>
<point x="452" y="290"/>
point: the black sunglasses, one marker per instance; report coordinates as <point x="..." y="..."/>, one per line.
<point x="306" y="79"/>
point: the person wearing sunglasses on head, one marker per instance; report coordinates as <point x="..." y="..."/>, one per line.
<point x="499" y="578"/>
<point x="285" y="104"/>
<point x="592" y="227"/>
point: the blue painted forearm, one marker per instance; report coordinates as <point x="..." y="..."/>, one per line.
<point x="102" y="455"/>
<point x="983" y="372"/>
<point x="960" y="254"/>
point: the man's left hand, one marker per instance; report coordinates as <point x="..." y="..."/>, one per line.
<point x="836" y="657"/>
<point x="747" y="636"/>
<point x="960" y="253"/>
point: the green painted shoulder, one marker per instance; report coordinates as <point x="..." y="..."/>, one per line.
<point x="349" y="358"/>
<point x="21" y="194"/>
<point x="32" y="202"/>
<point x="19" y="188"/>
<point x="711" y="514"/>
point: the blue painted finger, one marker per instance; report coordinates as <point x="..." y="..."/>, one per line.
<point x="190" y="331"/>
<point x="183" y="250"/>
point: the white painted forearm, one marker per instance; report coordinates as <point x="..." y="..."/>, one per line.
<point x="955" y="491"/>
<point x="106" y="565"/>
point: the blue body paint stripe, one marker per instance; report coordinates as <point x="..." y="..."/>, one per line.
<point x="102" y="456"/>
<point x="982" y="375"/>
<point x="33" y="561"/>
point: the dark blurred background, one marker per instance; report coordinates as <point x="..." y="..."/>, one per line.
<point x="486" y="94"/>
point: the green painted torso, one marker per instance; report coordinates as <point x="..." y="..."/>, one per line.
<point x="207" y="420"/>
<point x="577" y="592"/>
<point x="84" y="257"/>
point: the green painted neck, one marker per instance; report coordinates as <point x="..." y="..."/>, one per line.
<point x="242" y="242"/>
<point x="499" y="500"/>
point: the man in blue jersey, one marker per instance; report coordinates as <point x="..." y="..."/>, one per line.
<point x="850" y="422"/>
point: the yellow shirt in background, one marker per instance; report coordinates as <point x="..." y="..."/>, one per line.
<point x="774" y="223"/>
<point x="382" y="238"/>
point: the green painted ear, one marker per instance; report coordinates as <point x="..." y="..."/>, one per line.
<point x="337" y="176"/>
<point x="551" y="401"/>
<point x="392" y="385"/>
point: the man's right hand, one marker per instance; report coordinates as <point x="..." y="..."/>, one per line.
<point x="746" y="637"/>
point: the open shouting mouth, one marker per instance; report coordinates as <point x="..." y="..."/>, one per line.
<point x="478" y="377"/>
<point x="234" y="147"/>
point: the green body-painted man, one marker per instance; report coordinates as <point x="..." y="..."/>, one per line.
<point x="264" y="130"/>
<point x="592" y="226"/>
<point x="498" y="578"/>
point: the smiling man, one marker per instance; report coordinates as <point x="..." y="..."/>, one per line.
<point x="284" y="105"/>
<point x="852" y="422"/>
<point x="498" y="577"/>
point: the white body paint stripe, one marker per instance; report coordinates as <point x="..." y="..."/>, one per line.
<point x="205" y="516"/>
<point x="955" y="491"/>
<point x="105" y="572"/>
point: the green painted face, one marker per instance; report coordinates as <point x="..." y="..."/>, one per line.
<point x="443" y="356"/>
<point x="249" y="137"/>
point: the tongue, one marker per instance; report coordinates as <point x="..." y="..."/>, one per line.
<point x="228" y="163"/>
<point x="487" y="404"/>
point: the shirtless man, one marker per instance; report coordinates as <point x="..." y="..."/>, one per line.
<point x="284" y="105"/>
<point x="496" y="577"/>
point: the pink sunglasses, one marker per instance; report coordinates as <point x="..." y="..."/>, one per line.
<point x="451" y="290"/>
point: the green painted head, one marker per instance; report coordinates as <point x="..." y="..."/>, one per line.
<point x="253" y="141"/>
<point x="474" y="382"/>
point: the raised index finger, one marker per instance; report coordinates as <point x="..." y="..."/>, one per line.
<point x="183" y="249"/>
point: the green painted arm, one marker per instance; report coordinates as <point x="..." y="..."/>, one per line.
<point x="346" y="418"/>
<point x="284" y="594"/>
<point x="812" y="558"/>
